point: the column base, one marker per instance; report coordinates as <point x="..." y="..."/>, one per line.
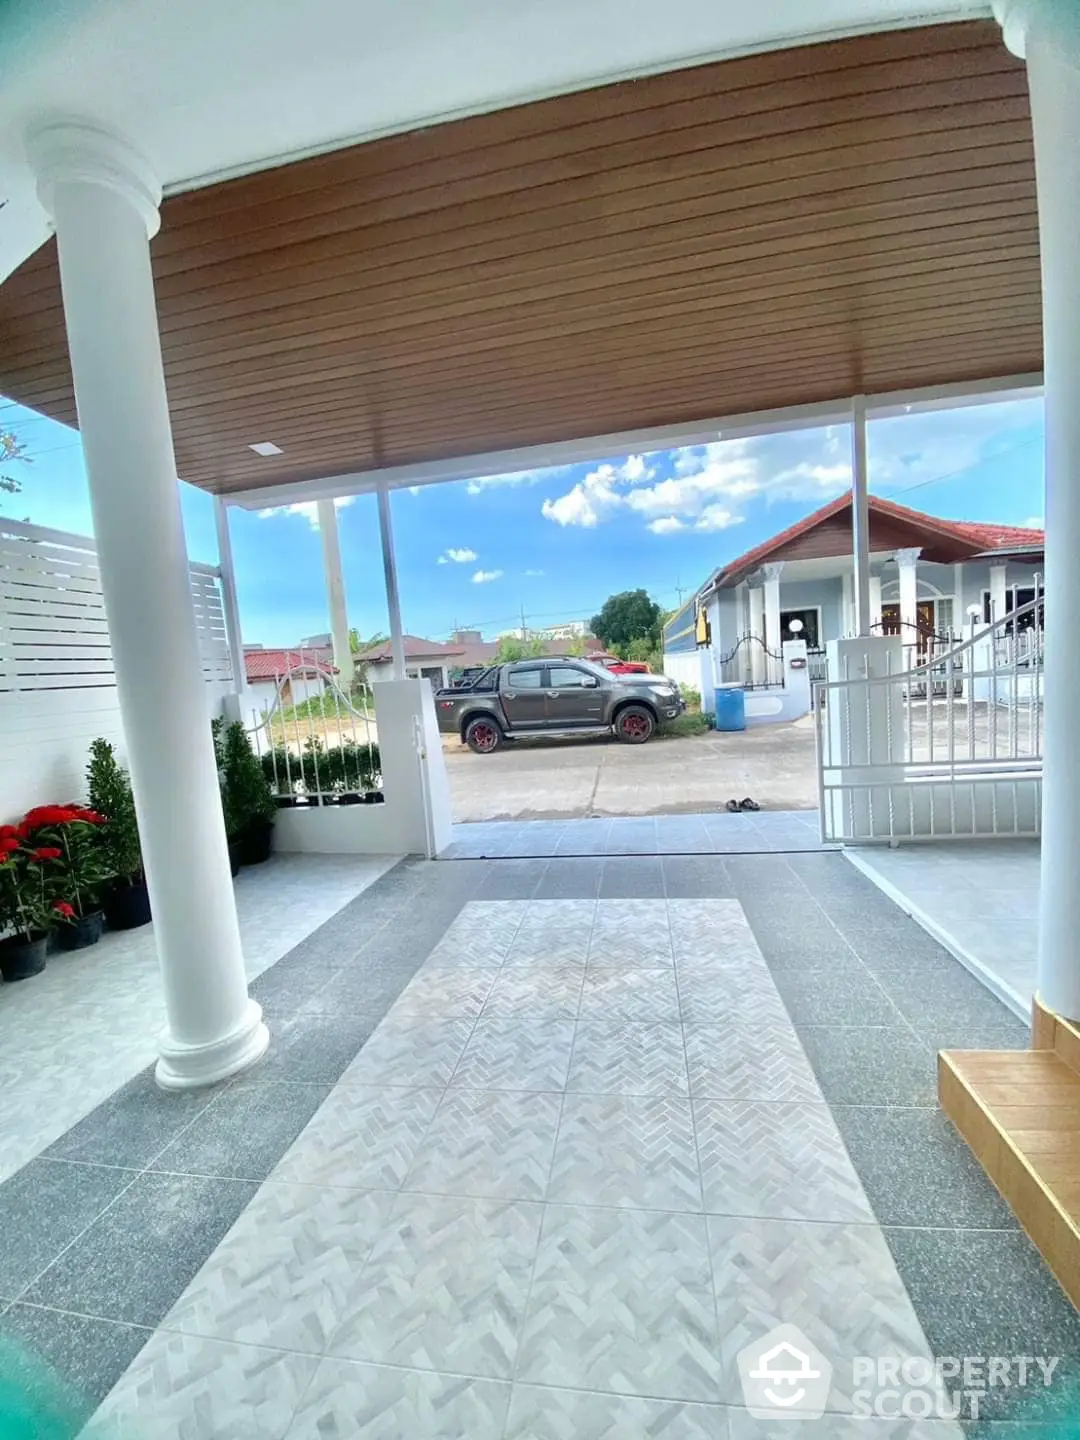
<point x="189" y="1067"/>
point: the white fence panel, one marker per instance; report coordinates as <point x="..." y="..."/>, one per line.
<point x="57" y="681"/>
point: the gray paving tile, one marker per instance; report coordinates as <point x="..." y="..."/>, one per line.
<point x="917" y="1170"/>
<point x="188" y="1388"/>
<point x="86" y="1356"/>
<point x="410" y="1054"/>
<point x="632" y="877"/>
<point x="692" y="877"/>
<point x="244" y="1133"/>
<point x="744" y="1426"/>
<point x="823" y="998"/>
<point x="989" y="1293"/>
<point x="740" y="1061"/>
<point x="313" y="1046"/>
<point x="628" y="1057"/>
<point x="871" y="1065"/>
<point x="628" y="1151"/>
<point x="445" y="1287"/>
<point x="784" y="1162"/>
<point x="540" y="992"/>
<point x="628" y="993"/>
<point x="621" y="1302"/>
<point x="375" y="1402"/>
<point x="42" y="1208"/>
<point x="540" y="1412"/>
<point x="134" y="1259"/>
<point x="133" y="1125"/>
<point x="571" y="878"/>
<point x="512" y="880"/>
<point x="488" y="1143"/>
<point x="516" y="1055"/>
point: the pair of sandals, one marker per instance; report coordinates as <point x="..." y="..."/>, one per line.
<point x="736" y="805"/>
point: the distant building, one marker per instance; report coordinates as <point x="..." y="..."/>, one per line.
<point x="424" y="660"/>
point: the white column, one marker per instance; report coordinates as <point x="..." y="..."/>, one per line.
<point x="229" y="602"/>
<point x="847" y="607"/>
<point x="907" y="564"/>
<point x="1048" y="32"/>
<point x="875" y="604"/>
<point x="999" y="602"/>
<point x="335" y="592"/>
<point x="103" y="200"/>
<point x="393" y="603"/>
<point x="860" y="517"/>
<point x="773" y="638"/>
<point x="757" y="630"/>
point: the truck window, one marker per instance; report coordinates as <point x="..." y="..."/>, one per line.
<point x="525" y="679"/>
<point x="567" y="677"/>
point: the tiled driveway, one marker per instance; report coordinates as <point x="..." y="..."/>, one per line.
<point x="533" y="1162"/>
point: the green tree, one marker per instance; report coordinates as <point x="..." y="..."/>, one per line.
<point x="511" y="648"/>
<point x="360" y="645"/>
<point x="628" y="616"/>
<point x="109" y="793"/>
<point x="11" y="449"/>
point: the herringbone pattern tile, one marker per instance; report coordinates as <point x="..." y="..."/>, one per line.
<point x="360" y="1136"/>
<point x="619" y="940"/>
<point x="445" y="1287"/>
<point x="410" y="1050"/>
<point x="453" y="993"/>
<point x="626" y="1151"/>
<point x="190" y="1388"/>
<point x="286" y="1271"/>
<point x="621" y="1302"/>
<point x="741" y="996"/>
<point x="763" y="1061"/>
<point x="628" y="994"/>
<point x="781" y="1161"/>
<point x="351" y="1401"/>
<point x="626" y="1057"/>
<point x="541" y="992"/>
<point x="538" y="1412"/>
<point x="494" y="1143"/>
<point x="837" y="1283"/>
<point x="516" y="1055"/>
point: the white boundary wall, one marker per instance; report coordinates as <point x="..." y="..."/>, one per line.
<point x="57" y="687"/>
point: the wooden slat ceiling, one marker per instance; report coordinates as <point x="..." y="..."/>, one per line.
<point x="776" y="230"/>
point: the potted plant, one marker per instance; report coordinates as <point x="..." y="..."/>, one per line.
<point x="127" y="900"/>
<point x="229" y="809"/>
<point x="66" y="836"/>
<point x="29" y="909"/>
<point x="251" y="797"/>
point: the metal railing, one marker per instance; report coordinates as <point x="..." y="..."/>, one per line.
<point x="949" y="747"/>
<point x="751" y="664"/>
<point x="316" y="742"/>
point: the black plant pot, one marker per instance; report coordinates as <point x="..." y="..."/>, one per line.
<point x="19" y="958"/>
<point x="350" y="797"/>
<point x="256" y="843"/>
<point x="287" y="802"/>
<point x="236" y="850"/>
<point x="376" y="797"/>
<point x="79" y="933"/>
<point x="128" y="906"/>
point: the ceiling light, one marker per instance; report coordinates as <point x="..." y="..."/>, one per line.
<point x="266" y="447"/>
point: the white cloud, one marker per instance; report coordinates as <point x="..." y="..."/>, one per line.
<point x="1033" y="522"/>
<point x="484" y="577"/>
<point x="590" y="501"/>
<point x="457" y="557"/>
<point x="308" y="508"/>
<point x="517" y="477"/>
<point x="414" y="489"/>
<point x="666" y="525"/>
<point x="533" y="572"/>
<point x="442" y="560"/>
<point x="717" y="517"/>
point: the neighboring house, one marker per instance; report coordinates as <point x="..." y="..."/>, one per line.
<point x="929" y="577"/>
<point x="296" y="675"/>
<point x="475" y="651"/>
<point x="424" y="659"/>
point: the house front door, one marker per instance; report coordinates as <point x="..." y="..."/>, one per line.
<point x="890" y="624"/>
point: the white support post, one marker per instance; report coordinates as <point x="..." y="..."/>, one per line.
<point x="860" y="517"/>
<point x="847" y="607"/>
<point x="229" y="602"/>
<point x="1048" y="33"/>
<point x="393" y="603"/>
<point x="875" y="604"/>
<point x="907" y="562"/>
<point x="999" y="603"/>
<point x="757" y="630"/>
<point x="335" y="592"/>
<point x="773" y="638"/>
<point x="103" y="199"/>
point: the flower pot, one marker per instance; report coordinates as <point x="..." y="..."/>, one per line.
<point x="20" y="958"/>
<point x="127" y="906"/>
<point x="376" y="797"/>
<point x="256" y="843"/>
<point x="236" y="851"/>
<point x="350" y="797"/>
<point x="286" y="802"/>
<point x="77" y="934"/>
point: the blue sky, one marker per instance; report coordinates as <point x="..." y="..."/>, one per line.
<point x="558" y="542"/>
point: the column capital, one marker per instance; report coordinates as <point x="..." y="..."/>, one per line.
<point x="62" y="152"/>
<point x="1054" y="22"/>
<point x="772" y="570"/>
<point x="906" y="559"/>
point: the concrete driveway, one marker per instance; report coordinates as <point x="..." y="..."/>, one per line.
<point x="540" y="779"/>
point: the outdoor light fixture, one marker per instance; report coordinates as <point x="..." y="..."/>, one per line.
<point x="795" y="626"/>
<point x="975" y="611"/>
<point x="266" y="447"/>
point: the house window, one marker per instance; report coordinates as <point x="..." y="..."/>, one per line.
<point x="1015" y="596"/>
<point x="811" y="626"/>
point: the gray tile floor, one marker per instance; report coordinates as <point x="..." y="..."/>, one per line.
<point x="707" y="833"/>
<point x="630" y="1214"/>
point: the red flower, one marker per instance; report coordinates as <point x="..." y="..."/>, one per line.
<point x="5" y="857"/>
<point x="47" y="852"/>
<point x="8" y="832"/>
<point x="91" y="817"/>
<point x="44" y="815"/>
<point x="63" y="908"/>
<point x="7" y="845"/>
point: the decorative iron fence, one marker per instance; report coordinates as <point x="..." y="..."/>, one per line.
<point x="751" y="665"/>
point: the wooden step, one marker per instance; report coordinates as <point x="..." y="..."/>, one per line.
<point x="1019" y="1110"/>
<point x="1051" y="1032"/>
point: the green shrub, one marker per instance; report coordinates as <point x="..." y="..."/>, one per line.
<point x="249" y="800"/>
<point x="323" y="769"/>
<point x="691" y="696"/>
<point x="110" y="795"/>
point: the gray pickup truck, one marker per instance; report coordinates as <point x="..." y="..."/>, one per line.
<point x="553" y="696"/>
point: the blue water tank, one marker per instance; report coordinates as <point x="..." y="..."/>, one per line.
<point x="730" y="709"/>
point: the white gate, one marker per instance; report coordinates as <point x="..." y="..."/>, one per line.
<point x="948" y="748"/>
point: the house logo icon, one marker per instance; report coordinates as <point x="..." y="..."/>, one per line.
<point x="784" y="1375"/>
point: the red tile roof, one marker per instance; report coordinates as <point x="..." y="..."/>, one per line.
<point x="416" y="648"/>
<point x="984" y="536"/>
<point x="274" y="664"/>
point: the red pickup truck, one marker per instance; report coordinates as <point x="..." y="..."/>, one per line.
<point x="617" y="666"/>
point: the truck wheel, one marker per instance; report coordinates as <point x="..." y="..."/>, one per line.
<point x="634" y="725"/>
<point x="483" y="735"/>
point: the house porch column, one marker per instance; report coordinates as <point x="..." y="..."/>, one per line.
<point x="1047" y="33"/>
<point x="103" y="199"/>
<point x="907" y="563"/>
<point x="393" y="602"/>
<point x="773" y="637"/>
<point x="335" y="592"/>
<point x="875" y="604"/>
<point x="757" y="630"/>
<point x="999" y="593"/>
